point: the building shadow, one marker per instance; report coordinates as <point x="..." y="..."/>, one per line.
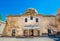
<point x="58" y="39"/>
<point x="54" y="38"/>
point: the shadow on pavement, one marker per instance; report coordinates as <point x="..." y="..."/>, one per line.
<point x="54" y="37"/>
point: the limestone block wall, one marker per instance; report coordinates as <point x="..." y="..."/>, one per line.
<point x="2" y="26"/>
<point x="44" y="23"/>
<point x="44" y="26"/>
<point x="58" y="22"/>
<point x="18" y="23"/>
<point x="22" y="23"/>
<point x="10" y="24"/>
<point x="51" y="24"/>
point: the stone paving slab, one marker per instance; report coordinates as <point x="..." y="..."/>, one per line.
<point x="26" y="39"/>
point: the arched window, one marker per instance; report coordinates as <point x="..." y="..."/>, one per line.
<point x="31" y="17"/>
<point x="25" y="19"/>
<point x="36" y="19"/>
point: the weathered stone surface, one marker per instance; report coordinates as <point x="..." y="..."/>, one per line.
<point x="18" y="23"/>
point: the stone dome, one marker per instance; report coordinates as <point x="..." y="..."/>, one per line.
<point x="31" y="11"/>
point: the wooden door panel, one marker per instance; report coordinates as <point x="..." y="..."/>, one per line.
<point x="31" y="32"/>
<point x="26" y="32"/>
<point x="35" y="32"/>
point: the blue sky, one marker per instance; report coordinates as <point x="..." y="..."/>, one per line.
<point x="46" y="7"/>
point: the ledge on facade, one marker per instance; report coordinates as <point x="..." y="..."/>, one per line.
<point x="49" y="15"/>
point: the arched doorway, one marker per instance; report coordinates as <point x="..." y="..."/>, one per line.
<point x="13" y="32"/>
<point x="28" y="32"/>
<point x="49" y="32"/>
<point x="31" y="30"/>
<point x="36" y="32"/>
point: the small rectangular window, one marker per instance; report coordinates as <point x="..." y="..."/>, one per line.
<point x="31" y="17"/>
<point x="25" y="19"/>
<point x="36" y="19"/>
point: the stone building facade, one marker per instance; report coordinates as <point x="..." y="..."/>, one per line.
<point x="2" y="26"/>
<point x="31" y="24"/>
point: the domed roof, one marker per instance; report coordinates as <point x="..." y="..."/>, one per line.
<point x="31" y="11"/>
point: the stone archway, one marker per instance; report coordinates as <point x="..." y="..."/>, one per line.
<point x="31" y="31"/>
<point x="49" y="31"/>
<point x="13" y="32"/>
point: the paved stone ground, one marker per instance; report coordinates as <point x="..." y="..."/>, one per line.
<point x="27" y="39"/>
